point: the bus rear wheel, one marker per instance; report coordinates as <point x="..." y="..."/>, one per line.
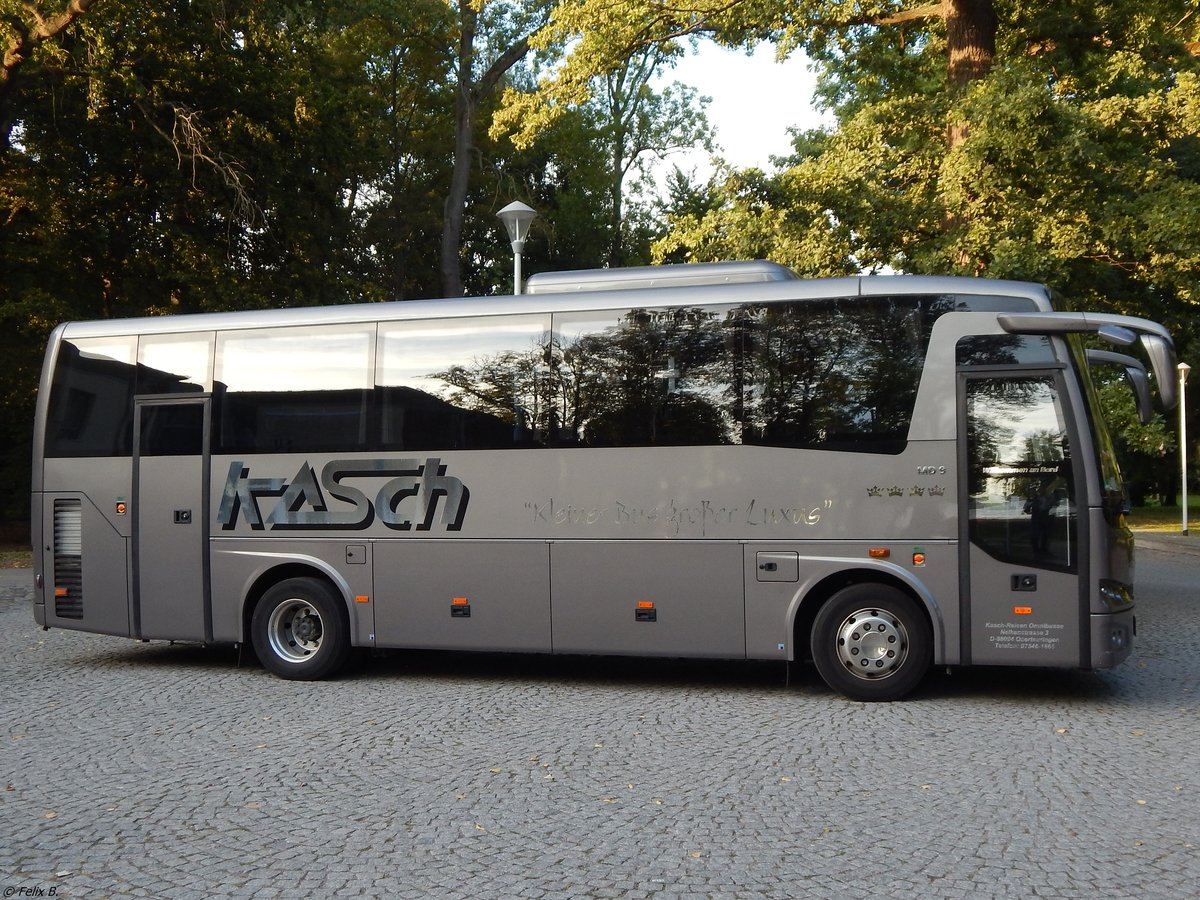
<point x="300" y="630"/>
<point x="871" y="642"/>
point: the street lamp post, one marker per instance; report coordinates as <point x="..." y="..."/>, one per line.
<point x="1183" y="368"/>
<point x="516" y="218"/>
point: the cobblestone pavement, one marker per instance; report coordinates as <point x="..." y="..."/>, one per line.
<point x="164" y="771"/>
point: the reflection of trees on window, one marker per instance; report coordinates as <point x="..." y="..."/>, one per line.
<point x="1003" y="350"/>
<point x="985" y="441"/>
<point x="1020" y="477"/>
<point x="1045" y="445"/>
<point x="836" y="374"/>
<point x="647" y="377"/>
<point x="839" y="374"/>
<point x="507" y="389"/>
<point x="463" y="384"/>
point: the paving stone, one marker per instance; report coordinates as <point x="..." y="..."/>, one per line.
<point x="156" y="770"/>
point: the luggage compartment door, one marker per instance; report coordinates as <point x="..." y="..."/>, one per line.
<point x="648" y="598"/>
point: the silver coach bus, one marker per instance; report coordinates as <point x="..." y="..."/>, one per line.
<point x="875" y="473"/>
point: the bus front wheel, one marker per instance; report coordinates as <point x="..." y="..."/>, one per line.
<point x="871" y="642"/>
<point x="300" y="629"/>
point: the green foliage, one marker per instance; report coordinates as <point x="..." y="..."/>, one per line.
<point x="164" y="158"/>
<point x="159" y="158"/>
<point x="1078" y="165"/>
<point x="1049" y="142"/>
<point x="1148" y="453"/>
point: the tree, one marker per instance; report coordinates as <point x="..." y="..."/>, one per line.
<point x="183" y="157"/>
<point x="601" y="36"/>
<point x="505" y="29"/>
<point x="947" y="112"/>
<point x="26" y="27"/>
<point x="639" y="122"/>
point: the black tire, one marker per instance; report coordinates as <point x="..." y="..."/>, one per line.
<point x="300" y="629"/>
<point x="872" y="642"/>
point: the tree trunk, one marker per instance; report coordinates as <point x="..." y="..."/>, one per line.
<point x="464" y="125"/>
<point x="971" y="44"/>
<point x="466" y="102"/>
<point x="616" y="186"/>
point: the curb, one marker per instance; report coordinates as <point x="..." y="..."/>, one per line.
<point x="1183" y="544"/>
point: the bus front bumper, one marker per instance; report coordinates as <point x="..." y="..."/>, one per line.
<point x="1112" y="638"/>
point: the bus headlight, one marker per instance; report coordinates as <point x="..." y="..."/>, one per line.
<point x="1115" y="596"/>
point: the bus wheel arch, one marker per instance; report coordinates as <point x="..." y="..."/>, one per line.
<point x="868" y="634"/>
<point x="296" y="619"/>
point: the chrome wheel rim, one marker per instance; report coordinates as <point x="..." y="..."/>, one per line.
<point x="872" y="643"/>
<point x="295" y="630"/>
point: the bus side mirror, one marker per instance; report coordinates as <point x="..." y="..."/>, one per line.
<point x="1135" y="376"/>
<point x="1115" y="329"/>
<point x="1162" y="358"/>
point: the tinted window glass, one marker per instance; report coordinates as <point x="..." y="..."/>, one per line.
<point x="294" y="390"/>
<point x="984" y="303"/>
<point x="464" y="384"/>
<point x="1004" y="350"/>
<point x="174" y="364"/>
<point x="1021" y="482"/>
<point x="642" y="377"/>
<point x="91" y="399"/>
<point x="172" y="430"/>
<point x="839" y="374"/>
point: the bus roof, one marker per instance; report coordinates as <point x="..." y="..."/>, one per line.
<point x="688" y="284"/>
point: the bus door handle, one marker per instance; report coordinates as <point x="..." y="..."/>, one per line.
<point x="183" y="517"/>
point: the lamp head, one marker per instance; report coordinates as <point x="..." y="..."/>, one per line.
<point x="516" y="218"/>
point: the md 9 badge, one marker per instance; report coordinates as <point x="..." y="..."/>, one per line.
<point x="408" y="500"/>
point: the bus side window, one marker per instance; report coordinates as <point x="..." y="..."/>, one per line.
<point x="463" y="384"/>
<point x="294" y="390"/>
<point x="91" y="400"/>
<point x="174" y="363"/>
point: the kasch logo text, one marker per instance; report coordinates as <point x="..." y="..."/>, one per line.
<point x="408" y="500"/>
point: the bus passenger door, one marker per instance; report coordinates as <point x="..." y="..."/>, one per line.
<point x="170" y="520"/>
<point x="1020" y="530"/>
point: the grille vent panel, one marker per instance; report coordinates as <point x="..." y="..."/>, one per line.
<point x="68" y="559"/>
